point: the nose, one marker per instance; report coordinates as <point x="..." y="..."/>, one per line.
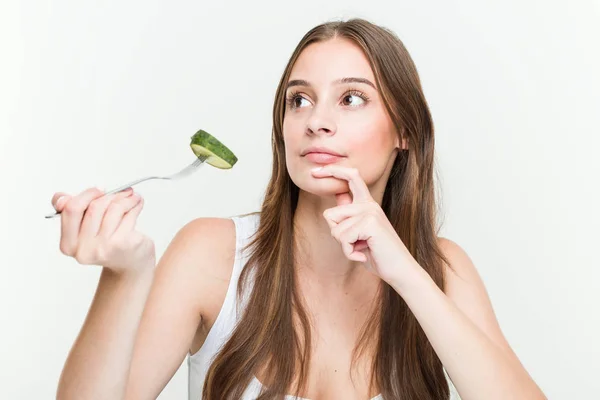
<point x="320" y="124"/>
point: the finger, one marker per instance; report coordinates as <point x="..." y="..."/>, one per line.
<point x="71" y="216"/>
<point x="335" y="215"/>
<point x="92" y="220"/>
<point x="353" y="234"/>
<point x="360" y="245"/>
<point x="340" y="228"/>
<point x="115" y="213"/>
<point x="358" y="256"/>
<point x="59" y="200"/>
<point x="129" y="221"/>
<point x="345" y="232"/>
<point x="363" y="255"/>
<point x="358" y="188"/>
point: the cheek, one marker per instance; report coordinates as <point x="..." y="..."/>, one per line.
<point x="370" y="138"/>
<point x="370" y="130"/>
<point x="370" y="148"/>
<point x="370" y="153"/>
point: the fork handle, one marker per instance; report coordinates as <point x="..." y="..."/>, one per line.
<point x="130" y="184"/>
<point x="116" y="190"/>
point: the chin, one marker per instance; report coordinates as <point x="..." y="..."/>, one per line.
<point x="323" y="187"/>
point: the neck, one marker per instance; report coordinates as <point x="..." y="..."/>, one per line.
<point x="320" y="258"/>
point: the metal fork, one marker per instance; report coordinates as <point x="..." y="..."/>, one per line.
<point x="199" y="161"/>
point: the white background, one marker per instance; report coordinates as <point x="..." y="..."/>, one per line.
<point x="100" y="93"/>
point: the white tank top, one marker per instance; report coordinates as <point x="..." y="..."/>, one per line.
<point x="231" y="311"/>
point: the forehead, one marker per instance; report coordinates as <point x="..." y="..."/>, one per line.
<point x="323" y="62"/>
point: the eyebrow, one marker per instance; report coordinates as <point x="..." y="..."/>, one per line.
<point x="302" y="82"/>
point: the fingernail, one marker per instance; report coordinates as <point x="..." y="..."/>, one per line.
<point x="59" y="201"/>
<point x="316" y="169"/>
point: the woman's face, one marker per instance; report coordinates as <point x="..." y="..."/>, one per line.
<point x="346" y="117"/>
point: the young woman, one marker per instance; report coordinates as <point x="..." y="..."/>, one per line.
<point x="339" y="288"/>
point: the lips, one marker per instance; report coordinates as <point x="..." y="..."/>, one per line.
<point x="322" y="158"/>
<point x="322" y="150"/>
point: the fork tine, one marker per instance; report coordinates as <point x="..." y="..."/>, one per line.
<point x="197" y="162"/>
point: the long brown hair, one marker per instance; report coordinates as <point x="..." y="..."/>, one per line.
<point x="273" y="334"/>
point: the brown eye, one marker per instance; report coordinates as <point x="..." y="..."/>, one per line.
<point x="298" y="101"/>
<point x="295" y="101"/>
<point x="355" y="100"/>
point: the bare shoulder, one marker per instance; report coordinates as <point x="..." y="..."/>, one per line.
<point x="207" y="239"/>
<point x="460" y="265"/>
<point x="205" y="248"/>
<point x="461" y="276"/>
<point x="465" y="287"/>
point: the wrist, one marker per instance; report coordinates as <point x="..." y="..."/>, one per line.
<point x="131" y="274"/>
<point x="413" y="279"/>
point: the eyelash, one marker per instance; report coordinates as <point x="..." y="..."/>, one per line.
<point x="291" y="98"/>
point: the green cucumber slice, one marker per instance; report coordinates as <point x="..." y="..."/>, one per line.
<point x="203" y="144"/>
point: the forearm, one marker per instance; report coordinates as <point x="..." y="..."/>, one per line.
<point x="98" y="364"/>
<point x="477" y="366"/>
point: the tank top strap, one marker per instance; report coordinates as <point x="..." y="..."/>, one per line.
<point x="245" y="227"/>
